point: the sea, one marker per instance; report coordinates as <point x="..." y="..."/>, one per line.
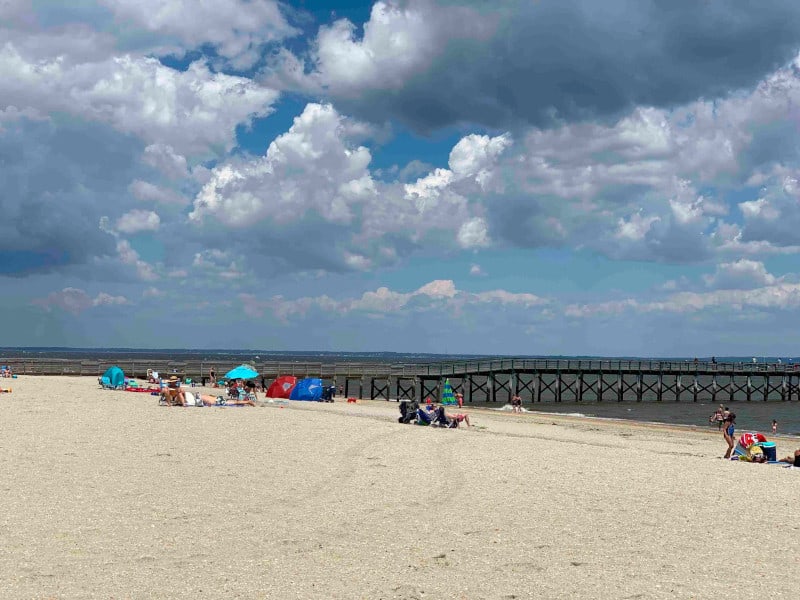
<point x="755" y="415"/>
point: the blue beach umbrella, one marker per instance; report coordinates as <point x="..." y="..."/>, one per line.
<point x="242" y="372"/>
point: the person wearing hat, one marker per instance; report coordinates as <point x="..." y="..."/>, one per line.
<point x="174" y="392"/>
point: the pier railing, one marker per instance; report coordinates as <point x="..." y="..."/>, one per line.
<point x="628" y="366"/>
<point x="197" y="368"/>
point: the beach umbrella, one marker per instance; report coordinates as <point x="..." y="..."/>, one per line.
<point x="447" y="393"/>
<point x="242" y="372"/>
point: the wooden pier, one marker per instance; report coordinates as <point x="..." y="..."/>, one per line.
<point x="493" y="381"/>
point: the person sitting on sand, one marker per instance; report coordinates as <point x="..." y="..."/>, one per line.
<point x="792" y="460"/>
<point x="460" y="418"/>
<point x="173" y="392"/>
<point x="728" y="431"/>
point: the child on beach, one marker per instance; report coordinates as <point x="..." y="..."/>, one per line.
<point x="774" y="426"/>
<point x="728" y="432"/>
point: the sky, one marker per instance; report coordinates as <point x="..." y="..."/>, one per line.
<point x="571" y="177"/>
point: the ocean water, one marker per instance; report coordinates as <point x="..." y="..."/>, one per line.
<point x="750" y="416"/>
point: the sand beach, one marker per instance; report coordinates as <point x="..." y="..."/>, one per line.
<point x="105" y="494"/>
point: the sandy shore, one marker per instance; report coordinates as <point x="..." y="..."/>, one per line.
<point x="107" y="495"/>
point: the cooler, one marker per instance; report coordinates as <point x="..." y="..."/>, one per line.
<point x="770" y="450"/>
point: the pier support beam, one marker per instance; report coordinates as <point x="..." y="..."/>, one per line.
<point x="600" y="386"/>
<point x="353" y="382"/>
<point x="379" y="388"/>
<point x="405" y="389"/>
<point x="539" y="386"/>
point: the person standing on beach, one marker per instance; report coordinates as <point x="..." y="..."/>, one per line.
<point x="212" y="376"/>
<point x="774" y="426"/>
<point x="728" y="433"/>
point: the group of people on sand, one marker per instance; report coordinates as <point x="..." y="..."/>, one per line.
<point x="6" y="372"/>
<point x="239" y="393"/>
<point x="727" y="421"/>
<point x="430" y="414"/>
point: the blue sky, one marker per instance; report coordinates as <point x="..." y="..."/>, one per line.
<point x="409" y="175"/>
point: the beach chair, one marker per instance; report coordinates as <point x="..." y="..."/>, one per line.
<point x="440" y="419"/>
<point x="424" y="417"/>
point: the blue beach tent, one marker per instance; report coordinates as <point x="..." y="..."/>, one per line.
<point x="307" y="389"/>
<point x="113" y="378"/>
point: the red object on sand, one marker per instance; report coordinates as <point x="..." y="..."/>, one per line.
<point x="352" y="400"/>
<point x="148" y="390"/>
<point x="282" y="387"/>
<point x="748" y="439"/>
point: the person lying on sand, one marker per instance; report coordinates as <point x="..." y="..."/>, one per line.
<point x="792" y="460"/>
<point x="442" y="419"/>
<point x="209" y="400"/>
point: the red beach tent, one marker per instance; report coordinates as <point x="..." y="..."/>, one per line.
<point x="282" y="387"/>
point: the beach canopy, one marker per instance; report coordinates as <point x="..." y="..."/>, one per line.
<point x="307" y="389"/>
<point x="282" y="387"/>
<point x="447" y="393"/>
<point x="242" y="372"/>
<point x="113" y="378"/>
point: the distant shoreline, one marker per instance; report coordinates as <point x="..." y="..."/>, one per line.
<point x="344" y="355"/>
